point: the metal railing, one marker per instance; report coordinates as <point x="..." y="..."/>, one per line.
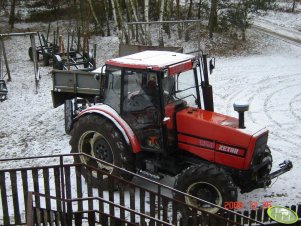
<point x="65" y="191"/>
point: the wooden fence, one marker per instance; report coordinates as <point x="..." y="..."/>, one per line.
<point x="52" y="189"/>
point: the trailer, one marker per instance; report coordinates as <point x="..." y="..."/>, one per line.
<point x="70" y="58"/>
<point x="76" y="90"/>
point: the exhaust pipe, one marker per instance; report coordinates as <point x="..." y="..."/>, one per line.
<point x="241" y="108"/>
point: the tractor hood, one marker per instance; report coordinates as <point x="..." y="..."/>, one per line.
<point x="215" y="126"/>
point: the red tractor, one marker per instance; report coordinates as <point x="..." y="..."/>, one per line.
<point x="155" y="116"/>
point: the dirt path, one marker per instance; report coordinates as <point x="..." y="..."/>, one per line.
<point x="289" y="35"/>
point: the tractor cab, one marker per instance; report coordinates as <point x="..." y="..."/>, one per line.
<point x="147" y="89"/>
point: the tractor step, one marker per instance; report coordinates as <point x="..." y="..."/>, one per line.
<point x="150" y="175"/>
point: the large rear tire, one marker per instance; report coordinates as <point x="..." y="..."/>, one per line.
<point x="207" y="182"/>
<point x="98" y="137"/>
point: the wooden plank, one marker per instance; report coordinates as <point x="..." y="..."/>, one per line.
<point x="100" y="194"/>
<point x="246" y="213"/>
<point x="68" y="194"/>
<point x="185" y="215"/>
<point x="78" y="219"/>
<point x="299" y="210"/>
<point x="90" y="192"/>
<point x="63" y="218"/>
<point x="165" y="209"/>
<point x="111" y="188"/>
<point x="142" y="206"/>
<point x="174" y="213"/>
<point x="58" y="219"/>
<point x="45" y="217"/>
<point x="91" y="218"/>
<point x="38" y="215"/>
<point x="79" y="185"/>
<point x="14" y="189"/>
<point x="51" y="218"/>
<point x="121" y="189"/>
<point x="36" y="186"/>
<point x="24" y="177"/>
<point x="57" y="183"/>
<point x="152" y="203"/>
<point x="6" y="219"/>
<point x="79" y="192"/>
<point x="132" y="203"/>
<point x="194" y="219"/>
<point x="239" y="219"/>
<point x="47" y="187"/>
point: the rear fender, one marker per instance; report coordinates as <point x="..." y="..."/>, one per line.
<point x="108" y="112"/>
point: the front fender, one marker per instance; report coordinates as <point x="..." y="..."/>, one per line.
<point x="108" y="112"/>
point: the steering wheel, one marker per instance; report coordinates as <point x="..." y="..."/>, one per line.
<point x="135" y="101"/>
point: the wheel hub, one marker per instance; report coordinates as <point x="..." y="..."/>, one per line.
<point x="206" y="192"/>
<point x="102" y="150"/>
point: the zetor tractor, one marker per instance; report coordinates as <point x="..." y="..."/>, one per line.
<point x="156" y="117"/>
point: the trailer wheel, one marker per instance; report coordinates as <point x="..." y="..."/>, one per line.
<point x="68" y="112"/>
<point x="30" y="54"/>
<point x="57" y="62"/>
<point x="98" y="137"/>
<point x="46" y="59"/>
<point x="207" y="182"/>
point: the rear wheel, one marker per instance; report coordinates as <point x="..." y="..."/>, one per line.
<point x="99" y="138"/>
<point x="206" y="182"/>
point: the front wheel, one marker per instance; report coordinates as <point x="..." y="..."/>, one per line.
<point x="206" y="182"/>
<point x="98" y="137"/>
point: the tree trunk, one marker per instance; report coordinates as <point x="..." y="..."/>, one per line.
<point x="140" y="28"/>
<point x="107" y="11"/>
<point x="116" y="21"/>
<point x="98" y="25"/>
<point x="212" y="18"/>
<point x="121" y="21"/>
<point x="12" y="17"/>
<point x="178" y="18"/>
<point x="294" y="5"/>
<point x="189" y="10"/>
<point x="161" y="41"/>
<point x="146" y="15"/>
<point x="166" y="14"/>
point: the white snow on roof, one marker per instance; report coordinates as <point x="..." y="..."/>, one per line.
<point x="151" y="58"/>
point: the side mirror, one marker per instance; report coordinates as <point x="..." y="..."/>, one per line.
<point x="211" y="64"/>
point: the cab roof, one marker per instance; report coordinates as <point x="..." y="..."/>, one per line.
<point x="154" y="60"/>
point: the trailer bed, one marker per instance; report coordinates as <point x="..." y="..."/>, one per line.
<point x="71" y="84"/>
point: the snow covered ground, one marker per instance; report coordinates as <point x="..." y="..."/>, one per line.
<point x="268" y="78"/>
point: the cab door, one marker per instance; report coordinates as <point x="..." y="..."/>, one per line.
<point x="141" y="107"/>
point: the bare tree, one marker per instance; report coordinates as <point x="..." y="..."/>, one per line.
<point x="178" y="18"/>
<point x="161" y="41"/>
<point x="294" y="5"/>
<point x="98" y="25"/>
<point x="12" y="17"/>
<point x="146" y="15"/>
<point x="140" y="28"/>
<point x="212" y="18"/>
<point x="116" y="21"/>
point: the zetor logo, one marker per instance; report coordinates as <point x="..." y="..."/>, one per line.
<point x="228" y="149"/>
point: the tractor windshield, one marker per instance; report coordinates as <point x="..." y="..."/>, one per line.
<point x="181" y="87"/>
